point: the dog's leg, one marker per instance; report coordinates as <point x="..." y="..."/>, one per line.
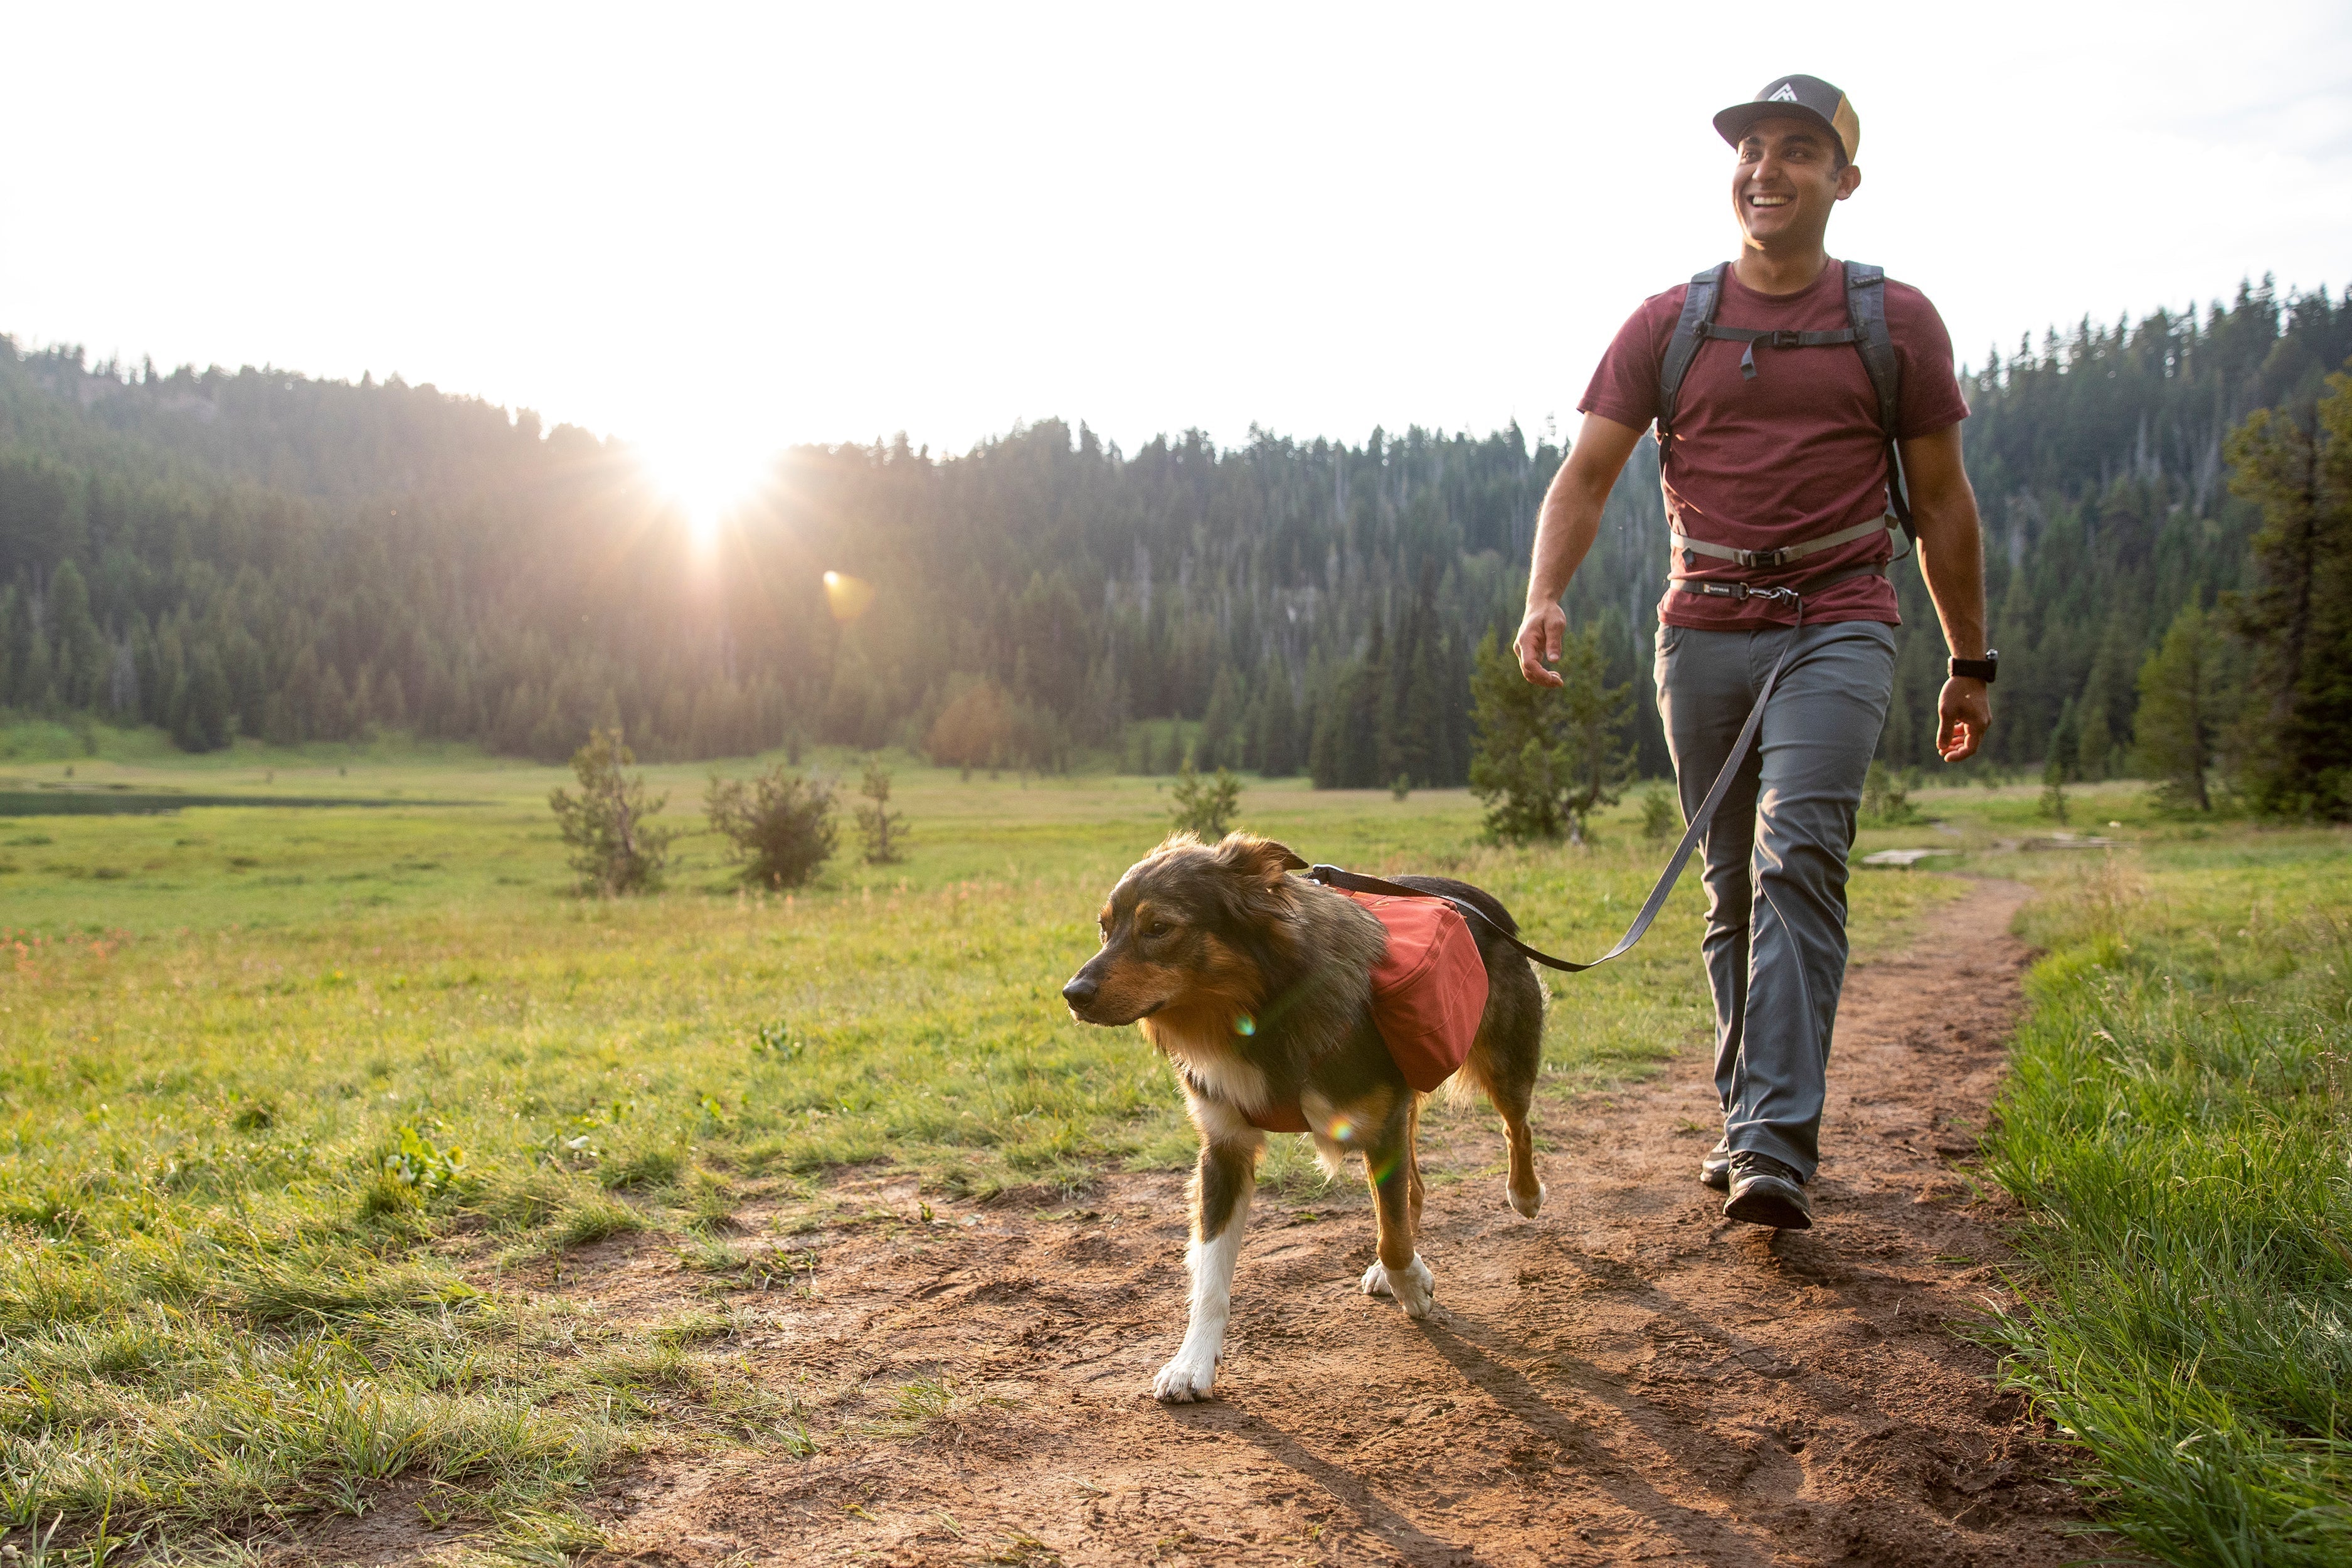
<point x="1398" y="1270"/>
<point x="1221" y="1199"/>
<point x="1504" y="1061"/>
<point x="1522" y="1187"/>
<point x="1413" y="1161"/>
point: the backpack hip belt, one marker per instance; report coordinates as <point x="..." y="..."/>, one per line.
<point x="1688" y="548"/>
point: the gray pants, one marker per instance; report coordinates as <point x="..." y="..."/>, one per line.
<point x="1776" y="854"/>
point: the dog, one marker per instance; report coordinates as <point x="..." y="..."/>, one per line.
<point x="1256" y="985"/>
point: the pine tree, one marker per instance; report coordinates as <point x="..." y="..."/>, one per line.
<point x="2299" y="620"/>
<point x="881" y="831"/>
<point x="1546" y="760"/>
<point x="2178" y="719"/>
<point x="616" y="847"/>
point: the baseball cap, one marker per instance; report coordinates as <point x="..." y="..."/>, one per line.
<point x="1796" y="97"/>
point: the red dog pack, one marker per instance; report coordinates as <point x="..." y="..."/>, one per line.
<point x="1429" y="991"/>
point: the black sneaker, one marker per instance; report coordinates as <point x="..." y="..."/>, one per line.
<point x="1714" y="1168"/>
<point x="1765" y="1192"/>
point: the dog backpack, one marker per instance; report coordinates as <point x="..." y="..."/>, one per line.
<point x="1429" y="991"/>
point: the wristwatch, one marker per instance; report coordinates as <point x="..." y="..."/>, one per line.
<point x="1977" y="669"/>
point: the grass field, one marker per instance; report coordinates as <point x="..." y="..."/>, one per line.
<point x="2180" y="1127"/>
<point x="288" y="1093"/>
<point x="291" y="1100"/>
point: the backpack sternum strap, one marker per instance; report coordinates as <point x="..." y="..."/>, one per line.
<point x="1751" y="336"/>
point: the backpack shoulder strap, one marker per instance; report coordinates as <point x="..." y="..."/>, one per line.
<point x="1698" y="314"/>
<point x="1866" y="307"/>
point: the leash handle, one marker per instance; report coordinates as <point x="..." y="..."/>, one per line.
<point x="1354" y="882"/>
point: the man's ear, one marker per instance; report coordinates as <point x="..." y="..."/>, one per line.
<point x="1849" y="179"/>
<point x="1248" y="852"/>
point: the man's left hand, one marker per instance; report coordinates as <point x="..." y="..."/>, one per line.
<point x="1963" y="714"/>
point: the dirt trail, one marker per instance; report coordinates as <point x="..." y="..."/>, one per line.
<point x="1627" y="1378"/>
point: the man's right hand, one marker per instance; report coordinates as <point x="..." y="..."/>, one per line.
<point x="1539" y="642"/>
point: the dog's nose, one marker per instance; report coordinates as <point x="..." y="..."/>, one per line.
<point x="1080" y="991"/>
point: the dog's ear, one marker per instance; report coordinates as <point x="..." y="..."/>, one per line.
<point x="1254" y="855"/>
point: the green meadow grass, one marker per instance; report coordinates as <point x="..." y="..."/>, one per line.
<point x="287" y="1094"/>
<point x="2180" y="1128"/>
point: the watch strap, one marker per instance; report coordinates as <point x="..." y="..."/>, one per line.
<point x="1977" y="669"/>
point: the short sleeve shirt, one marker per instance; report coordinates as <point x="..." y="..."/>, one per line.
<point x="1791" y="454"/>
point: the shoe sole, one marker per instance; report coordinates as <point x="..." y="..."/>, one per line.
<point x="1768" y="1202"/>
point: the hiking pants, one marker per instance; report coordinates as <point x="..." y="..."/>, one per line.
<point x="1776" y="853"/>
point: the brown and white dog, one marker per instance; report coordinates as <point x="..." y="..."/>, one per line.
<point x="1257" y="984"/>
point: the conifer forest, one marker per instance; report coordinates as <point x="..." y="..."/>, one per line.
<point x="263" y="553"/>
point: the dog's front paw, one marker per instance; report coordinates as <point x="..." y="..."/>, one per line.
<point x="1413" y="1286"/>
<point x="1185" y="1379"/>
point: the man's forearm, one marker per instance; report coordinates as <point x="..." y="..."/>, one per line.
<point x="1951" y="559"/>
<point x="1565" y="529"/>
<point x="1951" y="538"/>
<point x="1569" y="519"/>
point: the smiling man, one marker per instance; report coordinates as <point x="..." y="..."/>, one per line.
<point x="1782" y="385"/>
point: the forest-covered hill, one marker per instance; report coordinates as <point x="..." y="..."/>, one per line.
<point x="262" y="553"/>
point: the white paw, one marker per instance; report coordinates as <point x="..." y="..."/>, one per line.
<point x="1413" y="1286"/>
<point x="1530" y="1208"/>
<point x="1185" y="1379"/>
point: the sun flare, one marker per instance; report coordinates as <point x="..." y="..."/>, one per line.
<point x="706" y="485"/>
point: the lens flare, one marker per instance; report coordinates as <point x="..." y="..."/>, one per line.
<point x="1245" y="1024"/>
<point x="847" y="597"/>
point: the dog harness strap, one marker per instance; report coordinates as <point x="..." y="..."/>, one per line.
<point x="1332" y="876"/>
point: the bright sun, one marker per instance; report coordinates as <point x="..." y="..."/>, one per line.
<point x="706" y="483"/>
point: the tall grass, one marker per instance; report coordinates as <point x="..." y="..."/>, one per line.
<point x="2178" y="1127"/>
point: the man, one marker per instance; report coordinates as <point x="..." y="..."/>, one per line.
<point x="1770" y="441"/>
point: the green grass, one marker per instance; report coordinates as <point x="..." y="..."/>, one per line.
<point x="292" y="1107"/>
<point x="2179" y="1130"/>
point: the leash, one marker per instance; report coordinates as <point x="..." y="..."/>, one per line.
<point x="1357" y="882"/>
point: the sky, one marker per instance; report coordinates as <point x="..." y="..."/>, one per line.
<point x="715" y="231"/>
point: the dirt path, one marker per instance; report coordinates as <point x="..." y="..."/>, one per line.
<point x="1627" y="1378"/>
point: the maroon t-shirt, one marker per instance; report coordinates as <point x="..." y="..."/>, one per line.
<point x="1792" y="454"/>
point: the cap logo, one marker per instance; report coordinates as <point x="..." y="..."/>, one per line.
<point x="1787" y="94"/>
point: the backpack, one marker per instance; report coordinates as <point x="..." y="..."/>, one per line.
<point x="1429" y="992"/>
<point x="1866" y="312"/>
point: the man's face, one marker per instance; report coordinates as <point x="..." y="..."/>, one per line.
<point x="1785" y="183"/>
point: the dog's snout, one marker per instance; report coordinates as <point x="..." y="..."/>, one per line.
<point x="1081" y="989"/>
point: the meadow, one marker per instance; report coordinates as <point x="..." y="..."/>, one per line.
<point x="290" y="1094"/>
<point x="302" y="1108"/>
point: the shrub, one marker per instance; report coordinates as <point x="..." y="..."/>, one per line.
<point x="617" y="848"/>
<point x="1886" y="797"/>
<point x="1205" y="806"/>
<point x="882" y="831"/>
<point x="1544" y="763"/>
<point x="1660" y="816"/>
<point x="779" y="824"/>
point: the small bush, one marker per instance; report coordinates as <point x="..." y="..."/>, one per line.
<point x="1661" y="818"/>
<point x="616" y="846"/>
<point x="1886" y="797"/>
<point x="1205" y="806"/>
<point x="779" y="825"/>
<point x="881" y="831"/>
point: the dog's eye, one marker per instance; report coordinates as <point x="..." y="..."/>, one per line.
<point x="1155" y="929"/>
